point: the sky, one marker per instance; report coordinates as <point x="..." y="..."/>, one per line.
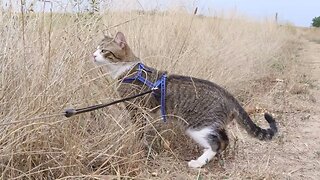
<point x="297" y="12"/>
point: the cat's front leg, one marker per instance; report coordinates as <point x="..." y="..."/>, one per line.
<point x="137" y="120"/>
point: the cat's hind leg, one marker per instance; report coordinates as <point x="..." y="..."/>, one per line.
<point x="212" y="140"/>
<point x="219" y="140"/>
<point x="201" y="136"/>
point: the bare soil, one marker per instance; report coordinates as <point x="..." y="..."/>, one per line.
<point x="300" y="157"/>
<point x="295" y="154"/>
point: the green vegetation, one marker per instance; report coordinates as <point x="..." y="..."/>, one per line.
<point x="316" y="22"/>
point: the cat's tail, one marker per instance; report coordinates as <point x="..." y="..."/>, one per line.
<point x="254" y="130"/>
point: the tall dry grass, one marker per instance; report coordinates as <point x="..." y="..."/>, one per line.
<point x="46" y="67"/>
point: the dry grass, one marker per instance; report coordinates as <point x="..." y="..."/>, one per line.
<point x="46" y="67"/>
<point x="312" y="34"/>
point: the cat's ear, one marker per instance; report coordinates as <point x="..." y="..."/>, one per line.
<point x="120" y="39"/>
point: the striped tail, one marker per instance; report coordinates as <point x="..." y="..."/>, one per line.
<point x="254" y="130"/>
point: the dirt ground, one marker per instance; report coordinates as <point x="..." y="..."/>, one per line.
<point x="295" y="152"/>
<point x="300" y="157"/>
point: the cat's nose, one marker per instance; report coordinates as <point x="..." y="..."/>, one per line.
<point x="94" y="57"/>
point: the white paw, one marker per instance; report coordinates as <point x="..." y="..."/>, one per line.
<point x="195" y="164"/>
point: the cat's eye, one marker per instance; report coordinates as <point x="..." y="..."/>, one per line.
<point x="103" y="51"/>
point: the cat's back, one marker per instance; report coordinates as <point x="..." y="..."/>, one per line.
<point x="192" y="84"/>
<point x="195" y="91"/>
<point x="198" y="101"/>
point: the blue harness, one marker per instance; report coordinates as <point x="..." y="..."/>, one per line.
<point x="159" y="84"/>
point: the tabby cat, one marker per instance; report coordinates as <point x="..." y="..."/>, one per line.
<point x="205" y="107"/>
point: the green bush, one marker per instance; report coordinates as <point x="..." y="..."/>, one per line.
<point x="316" y="22"/>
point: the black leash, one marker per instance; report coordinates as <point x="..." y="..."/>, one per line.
<point x="71" y="112"/>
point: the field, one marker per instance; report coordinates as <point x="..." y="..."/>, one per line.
<point x="46" y="67"/>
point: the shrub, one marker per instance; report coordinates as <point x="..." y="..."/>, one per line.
<point x="316" y="22"/>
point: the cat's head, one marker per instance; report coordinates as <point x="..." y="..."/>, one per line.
<point x="114" y="50"/>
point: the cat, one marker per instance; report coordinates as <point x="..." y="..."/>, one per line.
<point x="205" y="107"/>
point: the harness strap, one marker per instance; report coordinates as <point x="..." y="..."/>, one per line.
<point x="159" y="84"/>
